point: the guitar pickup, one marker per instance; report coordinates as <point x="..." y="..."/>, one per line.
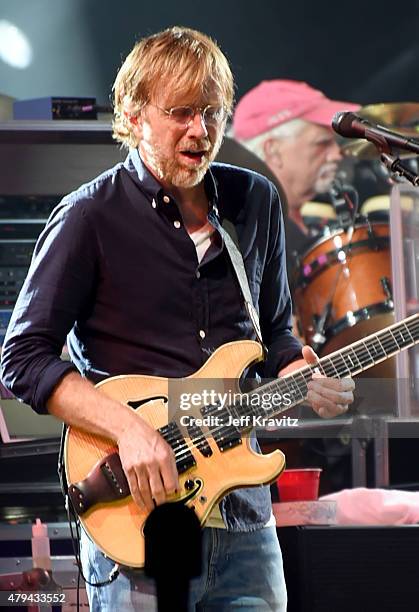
<point x="227" y="437"/>
<point x="197" y="437"/>
<point x="173" y="436"/>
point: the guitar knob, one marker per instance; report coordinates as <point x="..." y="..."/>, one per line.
<point x="189" y="485"/>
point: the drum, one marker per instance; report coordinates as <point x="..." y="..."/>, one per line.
<point x="343" y="289"/>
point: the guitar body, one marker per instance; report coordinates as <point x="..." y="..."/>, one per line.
<point x="117" y="527"/>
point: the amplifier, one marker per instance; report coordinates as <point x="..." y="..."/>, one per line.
<point x="21" y="221"/>
<point x="19" y="208"/>
<point x="330" y="569"/>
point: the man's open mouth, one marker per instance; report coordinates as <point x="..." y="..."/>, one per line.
<point x="196" y="156"/>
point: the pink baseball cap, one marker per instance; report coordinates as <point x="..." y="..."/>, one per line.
<point x="274" y="102"/>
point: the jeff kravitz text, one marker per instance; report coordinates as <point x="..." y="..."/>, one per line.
<point x="242" y="421"/>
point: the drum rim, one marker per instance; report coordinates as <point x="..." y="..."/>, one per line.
<point x="318" y="242"/>
<point x="362" y="314"/>
<point x="302" y="280"/>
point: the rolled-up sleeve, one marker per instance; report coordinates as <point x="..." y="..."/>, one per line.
<point x="56" y="291"/>
<point x="274" y="301"/>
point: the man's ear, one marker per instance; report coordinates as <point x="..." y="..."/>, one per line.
<point x="133" y="119"/>
<point x="273" y="152"/>
<point x="131" y="115"/>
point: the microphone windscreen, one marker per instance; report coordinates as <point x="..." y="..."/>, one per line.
<point x="342" y="123"/>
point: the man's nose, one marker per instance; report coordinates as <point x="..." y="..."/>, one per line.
<point x="334" y="153"/>
<point x="197" y="126"/>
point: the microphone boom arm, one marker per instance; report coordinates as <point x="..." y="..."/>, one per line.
<point x="390" y="161"/>
<point x="395" y="165"/>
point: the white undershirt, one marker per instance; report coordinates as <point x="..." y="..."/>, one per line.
<point x="202" y="239"/>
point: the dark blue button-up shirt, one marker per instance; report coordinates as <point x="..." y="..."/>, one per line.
<point x="115" y="273"/>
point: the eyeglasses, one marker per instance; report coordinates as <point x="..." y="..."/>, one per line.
<point x="184" y="115"/>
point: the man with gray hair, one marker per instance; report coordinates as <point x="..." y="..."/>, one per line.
<point x="288" y="125"/>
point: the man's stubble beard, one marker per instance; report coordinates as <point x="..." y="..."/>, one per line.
<point x="185" y="177"/>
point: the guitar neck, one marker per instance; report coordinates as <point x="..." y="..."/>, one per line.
<point x="349" y="361"/>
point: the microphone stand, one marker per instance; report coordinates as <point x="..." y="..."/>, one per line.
<point x="394" y="164"/>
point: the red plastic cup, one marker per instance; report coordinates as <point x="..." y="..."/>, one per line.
<point x="299" y="484"/>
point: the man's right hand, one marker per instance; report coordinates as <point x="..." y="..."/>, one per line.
<point x="148" y="461"/>
<point x="149" y="464"/>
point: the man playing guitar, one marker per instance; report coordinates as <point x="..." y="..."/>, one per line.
<point x="132" y="269"/>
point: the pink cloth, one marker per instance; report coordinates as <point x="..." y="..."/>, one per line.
<point x="375" y="507"/>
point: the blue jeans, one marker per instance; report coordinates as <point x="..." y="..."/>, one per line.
<point x="240" y="571"/>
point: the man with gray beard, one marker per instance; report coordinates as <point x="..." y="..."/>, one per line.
<point x="288" y="125"/>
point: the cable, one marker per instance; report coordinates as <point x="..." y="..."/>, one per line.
<point x="75" y="544"/>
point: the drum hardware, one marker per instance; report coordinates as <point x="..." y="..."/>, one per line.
<point x="319" y="327"/>
<point x="346" y="207"/>
<point x="395" y="166"/>
<point x="372" y="239"/>
<point x="386" y="285"/>
<point x="339" y="254"/>
<point x="296" y="257"/>
<point x="299" y="328"/>
<point x="353" y="318"/>
<point x="343" y="286"/>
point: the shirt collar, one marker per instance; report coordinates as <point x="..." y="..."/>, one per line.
<point x="141" y="175"/>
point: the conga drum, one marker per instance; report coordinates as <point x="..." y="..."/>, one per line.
<point x="343" y="290"/>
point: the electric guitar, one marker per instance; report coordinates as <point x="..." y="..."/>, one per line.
<point x="210" y="439"/>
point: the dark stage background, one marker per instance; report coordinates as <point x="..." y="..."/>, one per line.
<point x="364" y="51"/>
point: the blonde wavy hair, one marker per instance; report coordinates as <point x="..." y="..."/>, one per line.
<point x="186" y="60"/>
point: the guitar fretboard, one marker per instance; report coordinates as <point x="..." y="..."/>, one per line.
<point x="349" y="361"/>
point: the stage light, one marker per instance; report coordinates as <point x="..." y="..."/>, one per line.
<point x="15" y="48"/>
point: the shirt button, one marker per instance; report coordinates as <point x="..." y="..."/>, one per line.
<point x="166" y="199"/>
<point x="153" y="204"/>
<point x="176" y="224"/>
<point x="202" y="333"/>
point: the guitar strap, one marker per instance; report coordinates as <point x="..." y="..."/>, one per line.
<point x="229" y="234"/>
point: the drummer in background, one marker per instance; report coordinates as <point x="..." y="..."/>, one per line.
<point x="288" y="125"/>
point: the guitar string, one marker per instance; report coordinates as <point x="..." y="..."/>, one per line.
<point x="386" y="337"/>
<point x="186" y="447"/>
<point x="196" y="441"/>
<point x="277" y="384"/>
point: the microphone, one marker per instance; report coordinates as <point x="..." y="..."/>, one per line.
<point x="353" y="126"/>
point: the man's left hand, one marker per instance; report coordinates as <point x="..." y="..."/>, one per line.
<point x="329" y="397"/>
